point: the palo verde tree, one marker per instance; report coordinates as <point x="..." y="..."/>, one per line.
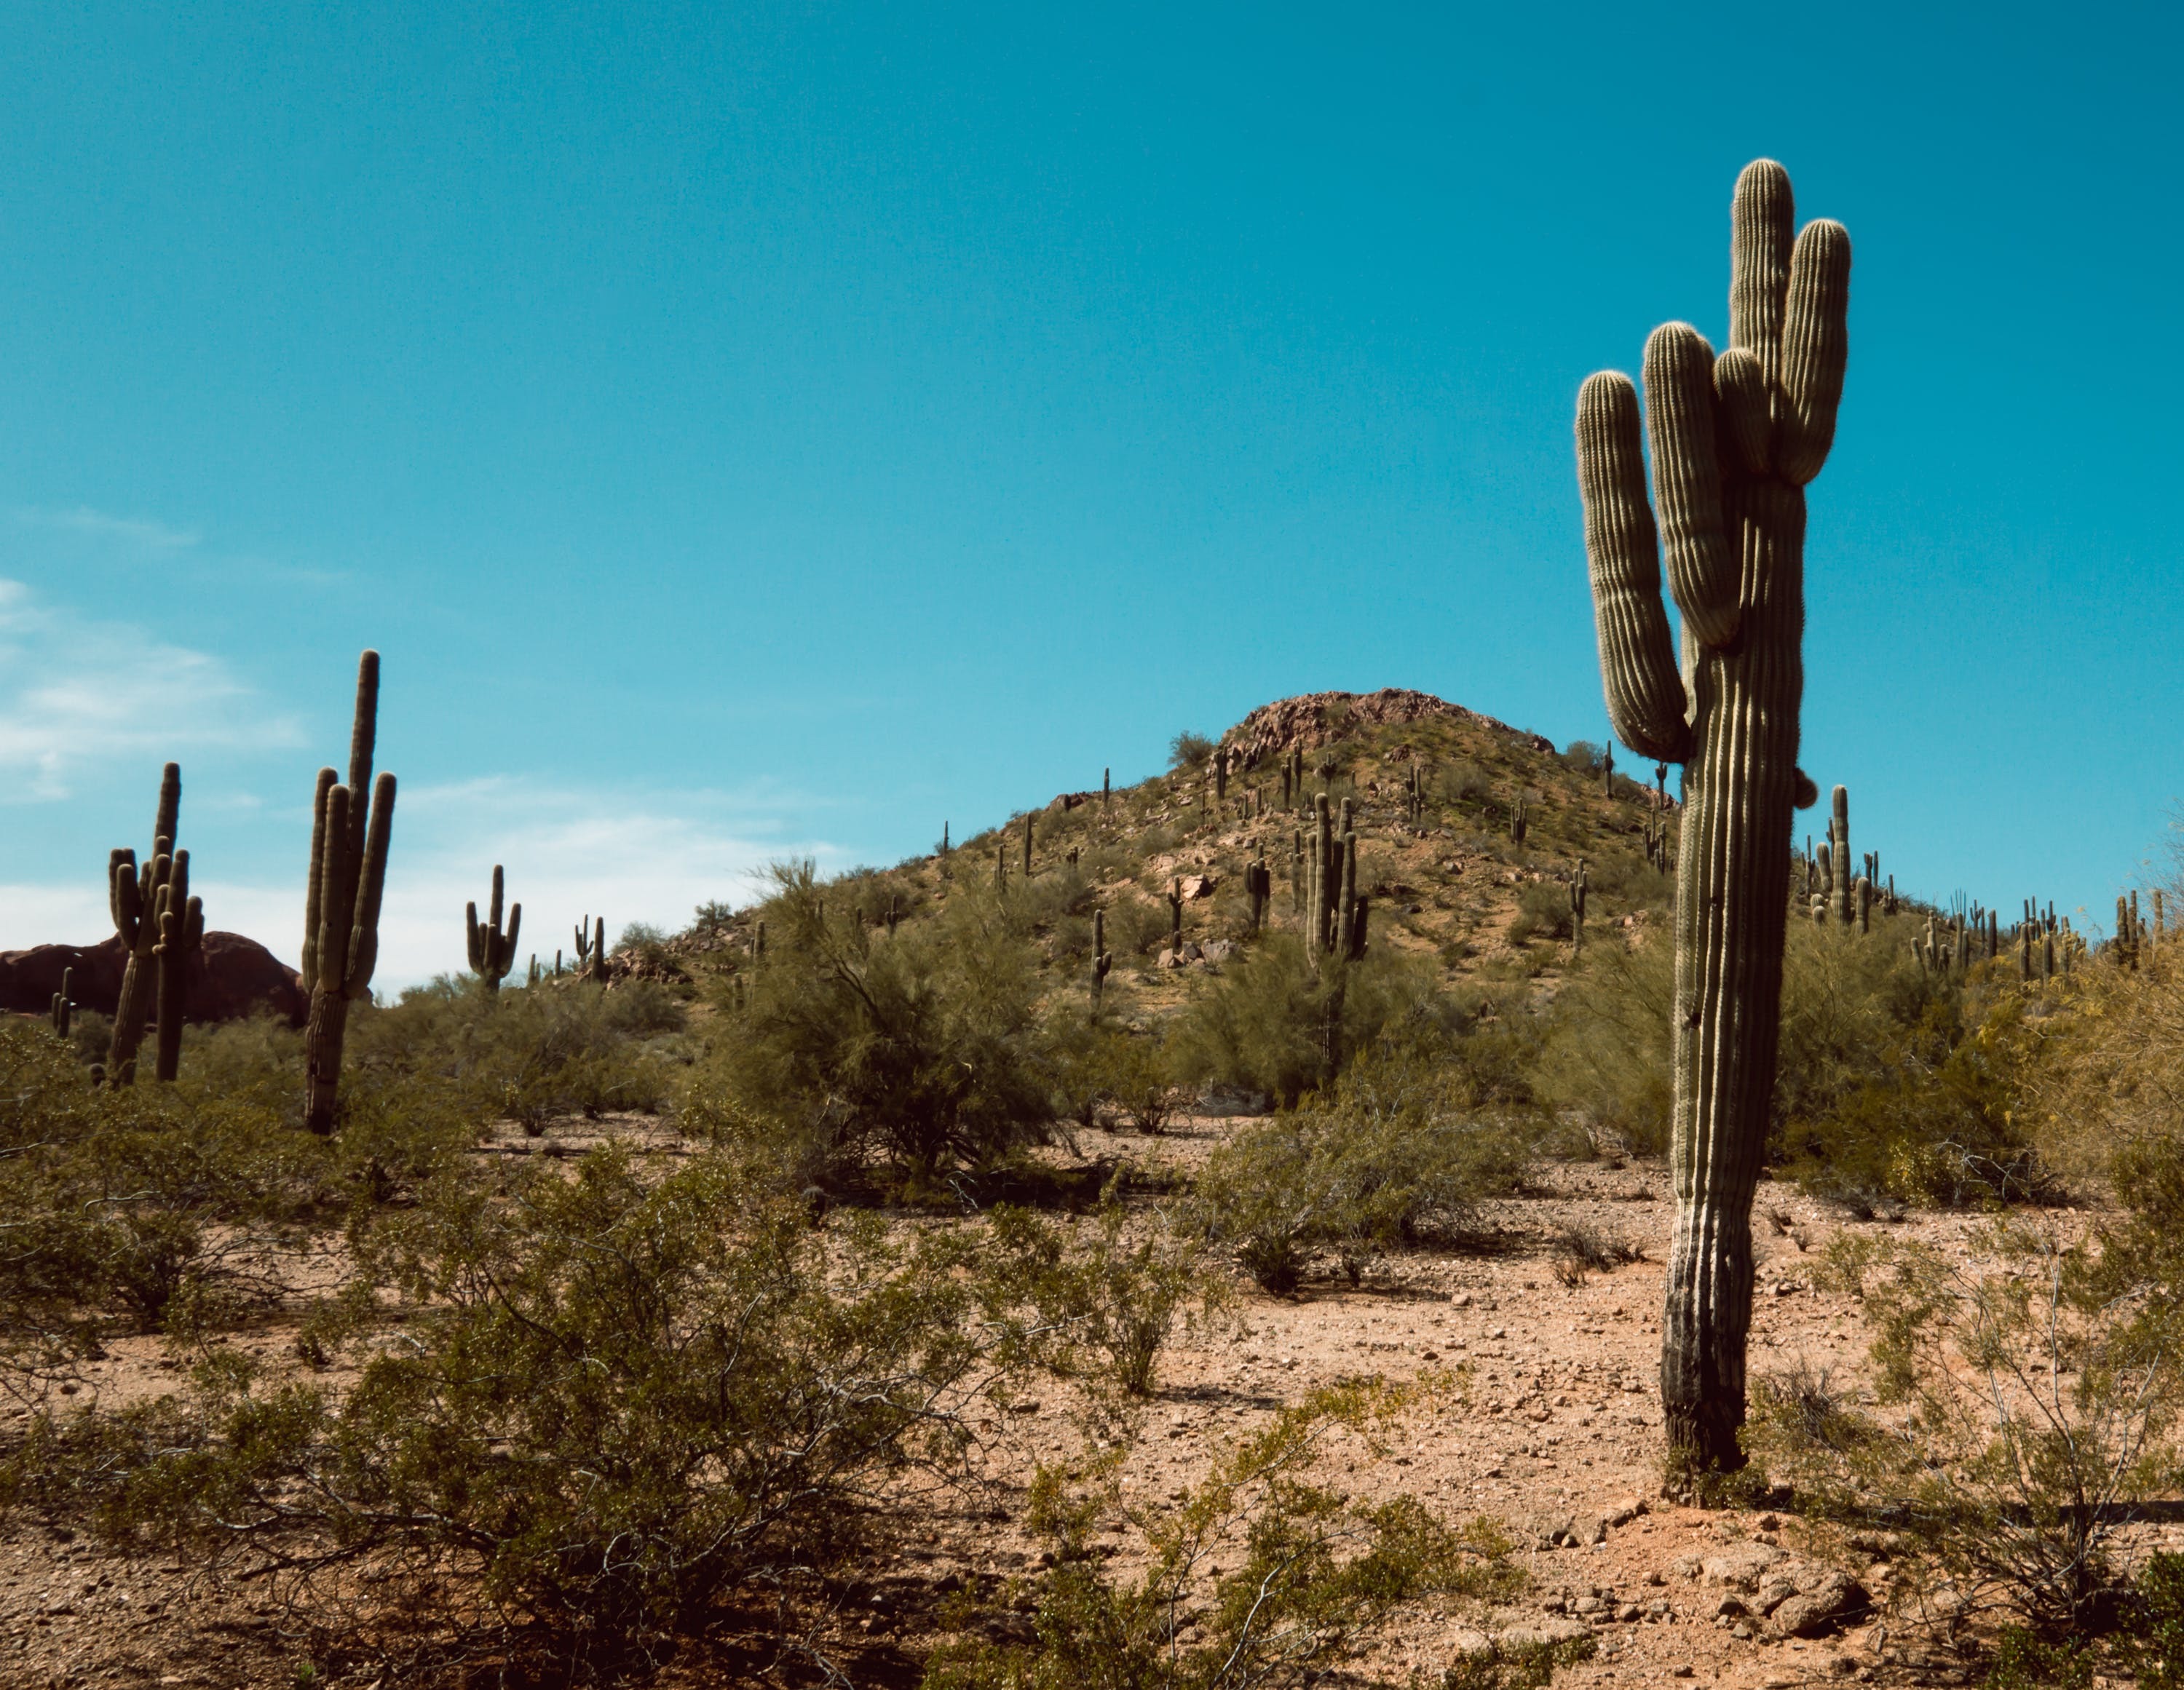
<point x="1734" y="441"/>
<point x="341" y="901"/>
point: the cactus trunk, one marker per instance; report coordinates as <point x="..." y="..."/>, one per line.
<point x="1734" y="442"/>
<point x="133" y="893"/>
<point x="349" y="838"/>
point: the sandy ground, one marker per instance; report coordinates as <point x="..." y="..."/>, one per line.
<point x="1553" y="1415"/>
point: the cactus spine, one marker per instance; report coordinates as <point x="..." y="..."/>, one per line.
<point x="181" y="935"/>
<point x="132" y="893"/>
<point x="1735" y="440"/>
<point x="349" y="835"/>
<point x="492" y="951"/>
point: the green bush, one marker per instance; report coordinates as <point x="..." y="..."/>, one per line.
<point x="2034" y="1412"/>
<point x="1396" y="1155"/>
<point x="1543" y="912"/>
<point x="1271" y="1022"/>
<point x="1108" y="1290"/>
<point x="621" y="1398"/>
<point x="1189" y="750"/>
<point x="1311" y="1573"/>
<point x="922" y="1047"/>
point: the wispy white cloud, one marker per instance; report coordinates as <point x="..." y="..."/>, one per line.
<point x="76" y="691"/>
<point x="138" y="531"/>
<point x="568" y="854"/>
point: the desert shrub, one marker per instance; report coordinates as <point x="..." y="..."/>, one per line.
<point x="528" y="1056"/>
<point x="921" y="1047"/>
<point x="1188" y="750"/>
<point x="1462" y="782"/>
<point x="1584" y="757"/>
<point x="1395" y="1156"/>
<point x="1627" y="882"/>
<point x="1606" y="1051"/>
<point x="620" y="1399"/>
<point x="133" y="1209"/>
<point x="2030" y="1413"/>
<point x="1138" y="1076"/>
<point x="1136" y="926"/>
<point x="90" y="1036"/>
<point x="1108" y="1290"/>
<point x="1313" y="1573"/>
<point x="1578" y="1250"/>
<point x="1543" y="912"/>
<point x="1273" y="1023"/>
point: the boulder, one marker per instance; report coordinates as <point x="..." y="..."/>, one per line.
<point x="230" y="977"/>
<point x="1194" y="888"/>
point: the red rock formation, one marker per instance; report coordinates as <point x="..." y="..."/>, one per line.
<point x="1310" y="719"/>
<point x="230" y="977"/>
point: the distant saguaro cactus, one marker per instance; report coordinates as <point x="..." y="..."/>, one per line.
<point x="181" y="935"/>
<point x="1839" y="857"/>
<point x="1578" y="887"/>
<point x="1258" y="887"/>
<point x="1221" y="774"/>
<point x="1102" y="963"/>
<point x="1027" y="848"/>
<point x="1519" y="820"/>
<point x="133" y="893"/>
<point x="1175" y="918"/>
<point x="349" y="835"/>
<point x="1734" y="442"/>
<point x="63" y="1005"/>
<point x="492" y="951"/>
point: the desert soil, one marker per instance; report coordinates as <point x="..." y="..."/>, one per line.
<point x="1552" y="1418"/>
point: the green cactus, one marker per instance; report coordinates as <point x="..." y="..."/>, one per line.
<point x="133" y="893"/>
<point x="1346" y="942"/>
<point x="1102" y="962"/>
<point x="1520" y="820"/>
<point x="182" y="936"/>
<point x="492" y="951"/>
<point x="1175" y="918"/>
<point x="1579" y="885"/>
<point x="1106" y="787"/>
<point x="1027" y="848"/>
<point x="349" y="835"/>
<point x="1259" y="888"/>
<point x="1839" y="857"/>
<point x="1320" y="870"/>
<point x="62" y="1005"/>
<point x="1221" y="774"/>
<point x="1734" y="442"/>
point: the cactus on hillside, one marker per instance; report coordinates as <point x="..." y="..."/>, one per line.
<point x="1839" y="856"/>
<point x="1175" y="918"/>
<point x="1102" y="962"/>
<point x="1578" y="887"/>
<point x="349" y="835"/>
<point x="133" y="893"/>
<point x="63" y="1005"/>
<point x="1735" y="440"/>
<point x="180" y="920"/>
<point x="492" y="951"/>
<point x="1027" y="848"/>
<point x="1258" y="888"/>
<point x="1221" y="774"/>
<point x="1519" y="820"/>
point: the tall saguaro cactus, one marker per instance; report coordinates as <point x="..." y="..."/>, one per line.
<point x="492" y="951"/>
<point x="1839" y="857"/>
<point x="1734" y="441"/>
<point x="349" y="833"/>
<point x="132" y="892"/>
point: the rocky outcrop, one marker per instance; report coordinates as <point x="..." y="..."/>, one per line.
<point x="1773" y="1593"/>
<point x="230" y="977"/>
<point x="1311" y="719"/>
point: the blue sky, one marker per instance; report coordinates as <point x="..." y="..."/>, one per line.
<point x="766" y="429"/>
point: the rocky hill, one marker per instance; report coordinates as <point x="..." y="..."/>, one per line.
<point x="1470" y="835"/>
